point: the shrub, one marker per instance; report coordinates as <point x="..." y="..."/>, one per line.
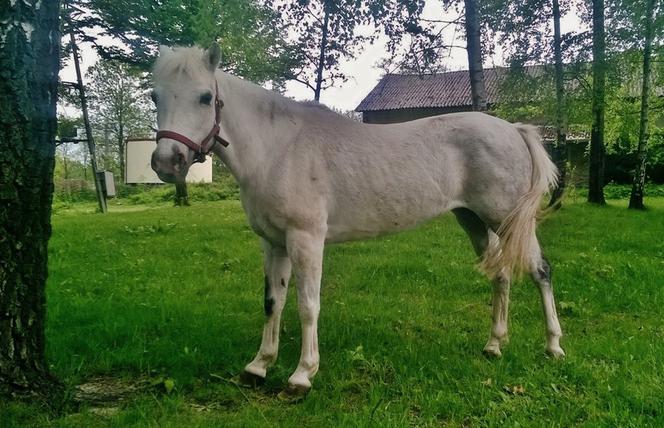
<point x="73" y="190"/>
<point x="622" y="191"/>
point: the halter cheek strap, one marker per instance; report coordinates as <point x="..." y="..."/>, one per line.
<point x="213" y="137"/>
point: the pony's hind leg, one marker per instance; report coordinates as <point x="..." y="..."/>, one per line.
<point x="500" y="303"/>
<point x="277" y="266"/>
<point x="481" y="237"/>
<point x="541" y="274"/>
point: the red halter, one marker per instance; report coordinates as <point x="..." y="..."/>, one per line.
<point x="202" y="149"/>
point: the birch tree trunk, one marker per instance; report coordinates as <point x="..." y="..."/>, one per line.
<point x="597" y="148"/>
<point x="474" y="49"/>
<point x="636" y="197"/>
<point x="29" y="64"/>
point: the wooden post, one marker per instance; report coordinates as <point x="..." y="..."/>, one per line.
<point x="88" y="129"/>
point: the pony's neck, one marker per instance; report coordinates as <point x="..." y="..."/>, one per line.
<point x="252" y="122"/>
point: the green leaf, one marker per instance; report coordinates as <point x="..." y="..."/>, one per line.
<point x="169" y="385"/>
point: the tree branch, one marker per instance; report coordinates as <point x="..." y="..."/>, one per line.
<point x="304" y="83"/>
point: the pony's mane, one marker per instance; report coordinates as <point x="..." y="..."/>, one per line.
<point x="180" y="61"/>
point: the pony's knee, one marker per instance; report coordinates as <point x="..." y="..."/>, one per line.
<point x="309" y="311"/>
<point x="542" y="272"/>
<point x="501" y="282"/>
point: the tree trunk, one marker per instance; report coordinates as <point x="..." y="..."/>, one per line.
<point x="29" y="60"/>
<point x="560" y="149"/>
<point x="321" y="58"/>
<point x="636" y="198"/>
<point x="101" y="199"/>
<point x="597" y="149"/>
<point x="474" y="49"/>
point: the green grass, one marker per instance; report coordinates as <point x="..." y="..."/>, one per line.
<point x="176" y="293"/>
<point x="127" y="195"/>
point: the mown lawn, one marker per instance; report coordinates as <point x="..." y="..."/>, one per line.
<point x="169" y="301"/>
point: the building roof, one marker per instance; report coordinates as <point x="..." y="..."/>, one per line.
<point x="452" y="89"/>
<point x="449" y="89"/>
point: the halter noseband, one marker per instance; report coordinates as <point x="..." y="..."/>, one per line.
<point x="202" y="149"/>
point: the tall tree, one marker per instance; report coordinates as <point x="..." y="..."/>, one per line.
<point x="427" y="46"/>
<point x="325" y="29"/>
<point x="523" y="30"/>
<point x="636" y="196"/>
<point x="250" y="33"/>
<point x="560" y="149"/>
<point x="474" y="50"/>
<point x="325" y="33"/>
<point x="29" y="60"/>
<point x="597" y="146"/>
<point x="118" y="107"/>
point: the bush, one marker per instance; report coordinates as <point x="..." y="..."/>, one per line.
<point x="164" y="193"/>
<point x="622" y="191"/>
<point x="68" y="192"/>
<point x="73" y="190"/>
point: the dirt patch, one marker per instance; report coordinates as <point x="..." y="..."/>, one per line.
<point x="108" y="391"/>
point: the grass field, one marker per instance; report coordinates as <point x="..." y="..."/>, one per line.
<point x="165" y="305"/>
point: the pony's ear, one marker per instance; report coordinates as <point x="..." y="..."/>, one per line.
<point x="212" y="57"/>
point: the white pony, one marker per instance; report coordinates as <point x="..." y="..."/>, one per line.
<point x="309" y="176"/>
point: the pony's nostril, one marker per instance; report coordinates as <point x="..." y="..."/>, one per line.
<point x="179" y="161"/>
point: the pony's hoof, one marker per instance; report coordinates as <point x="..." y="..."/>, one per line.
<point x="556" y="352"/>
<point x="293" y="393"/>
<point x="492" y="351"/>
<point x="248" y="380"/>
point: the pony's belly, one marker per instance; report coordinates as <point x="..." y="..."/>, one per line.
<point x="347" y="228"/>
<point x="340" y="234"/>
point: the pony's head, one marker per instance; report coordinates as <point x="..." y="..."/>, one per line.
<point x="185" y="94"/>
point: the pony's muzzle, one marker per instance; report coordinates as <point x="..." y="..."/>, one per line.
<point x="170" y="167"/>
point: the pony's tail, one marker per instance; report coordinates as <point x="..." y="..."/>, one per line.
<point x="511" y="254"/>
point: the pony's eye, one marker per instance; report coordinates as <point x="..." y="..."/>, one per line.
<point x="153" y="95"/>
<point x="206" y="98"/>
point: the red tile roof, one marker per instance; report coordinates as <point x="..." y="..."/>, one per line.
<point x="450" y="89"/>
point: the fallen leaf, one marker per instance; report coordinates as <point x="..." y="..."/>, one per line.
<point x="514" y="390"/>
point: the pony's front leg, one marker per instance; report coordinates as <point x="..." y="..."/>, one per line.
<point x="306" y="253"/>
<point x="277" y="268"/>
<point x="541" y="274"/>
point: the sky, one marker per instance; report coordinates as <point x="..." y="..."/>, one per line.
<point x="363" y="72"/>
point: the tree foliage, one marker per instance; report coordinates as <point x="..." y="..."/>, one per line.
<point x="324" y="32"/>
<point x="68" y="126"/>
<point x="119" y="109"/>
<point x="416" y="44"/>
<point x="249" y="32"/>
